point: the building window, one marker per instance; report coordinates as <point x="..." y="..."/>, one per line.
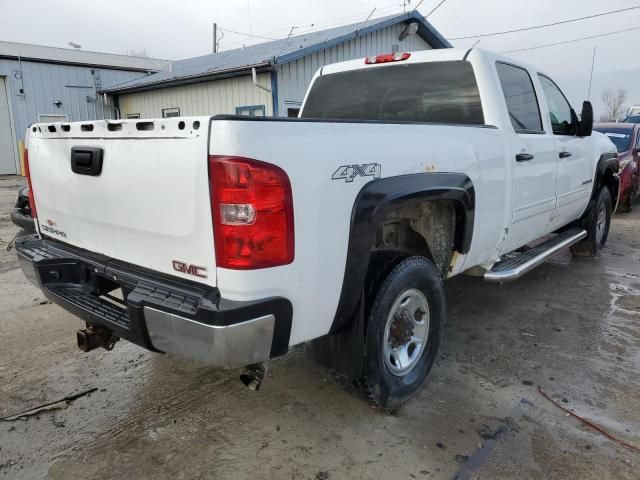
<point x="251" y="111"/>
<point x="132" y="115"/>
<point x="293" y="112"/>
<point x="170" y="112"/>
<point x="52" y="118"/>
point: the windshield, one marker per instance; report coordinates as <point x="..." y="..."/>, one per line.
<point x="621" y="137"/>
<point x="632" y="119"/>
<point x="438" y="92"/>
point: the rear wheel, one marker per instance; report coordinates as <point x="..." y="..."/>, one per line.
<point x="596" y="222"/>
<point x="403" y="332"/>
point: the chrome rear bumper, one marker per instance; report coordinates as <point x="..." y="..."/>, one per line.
<point x="231" y="346"/>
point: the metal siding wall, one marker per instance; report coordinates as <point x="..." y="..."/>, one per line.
<point x="45" y="83"/>
<point x="294" y="77"/>
<point x="205" y="98"/>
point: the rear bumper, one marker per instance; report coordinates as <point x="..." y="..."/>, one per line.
<point x="158" y="312"/>
<point x="23" y="221"/>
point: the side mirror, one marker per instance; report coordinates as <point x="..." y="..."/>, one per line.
<point x="585" y="125"/>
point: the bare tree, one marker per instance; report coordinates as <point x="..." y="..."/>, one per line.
<point x="138" y="53"/>
<point x="614" y="101"/>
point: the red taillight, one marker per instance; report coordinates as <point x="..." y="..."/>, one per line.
<point x="390" y="57"/>
<point x="252" y="211"/>
<point x="27" y="172"/>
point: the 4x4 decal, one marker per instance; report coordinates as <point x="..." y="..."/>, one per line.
<point x="349" y="172"/>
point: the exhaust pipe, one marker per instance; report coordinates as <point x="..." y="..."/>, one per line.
<point x="94" y="336"/>
<point x="253" y="375"/>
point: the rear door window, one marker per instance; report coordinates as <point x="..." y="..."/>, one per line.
<point x="435" y="92"/>
<point x="521" y="99"/>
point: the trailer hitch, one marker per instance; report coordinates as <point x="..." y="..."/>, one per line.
<point x="95" y="336"/>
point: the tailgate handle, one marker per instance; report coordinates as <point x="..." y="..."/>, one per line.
<point x="87" y="160"/>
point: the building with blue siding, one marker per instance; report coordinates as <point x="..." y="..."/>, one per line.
<point x="39" y="83"/>
<point x="223" y="83"/>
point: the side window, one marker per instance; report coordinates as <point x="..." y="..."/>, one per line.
<point x="559" y="109"/>
<point x="521" y="99"/>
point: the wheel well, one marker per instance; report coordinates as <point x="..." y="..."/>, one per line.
<point x="430" y="229"/>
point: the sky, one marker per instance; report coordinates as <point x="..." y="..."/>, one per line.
<point x="182" y="29"/>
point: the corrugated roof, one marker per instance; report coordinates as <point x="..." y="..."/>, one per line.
<point x="269" y="53"/>
<point x="43" y="53"/>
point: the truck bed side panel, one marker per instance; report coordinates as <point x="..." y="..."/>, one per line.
<point x="311" y="152"/>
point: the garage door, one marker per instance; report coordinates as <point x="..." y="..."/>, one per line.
<point x="7" y="157"/>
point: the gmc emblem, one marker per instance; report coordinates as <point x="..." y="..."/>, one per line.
<point x="193" y="270"/>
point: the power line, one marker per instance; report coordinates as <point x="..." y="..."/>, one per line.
<point x="247" y="34"/>
<point x="547" y="24"/>
<point x="305" y="27"/>
<point x="572" y="41"/>
<point x="434" y="8"/>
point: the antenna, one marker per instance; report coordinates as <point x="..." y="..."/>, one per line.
<point x="416" y="7"/>
<point x="365" y="22"/>
<point x="249" y="14"/>
<point x="285" y="43"/>
<point x="593" y="62"/>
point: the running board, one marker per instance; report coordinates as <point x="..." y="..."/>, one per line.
<point x="513" y="268"/>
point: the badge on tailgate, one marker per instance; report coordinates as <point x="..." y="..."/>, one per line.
<point x="193" y="270"/>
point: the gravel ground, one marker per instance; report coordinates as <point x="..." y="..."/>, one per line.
<point x="571" y="326"/>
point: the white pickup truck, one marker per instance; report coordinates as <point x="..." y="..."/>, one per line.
<point x="230" y="239"/>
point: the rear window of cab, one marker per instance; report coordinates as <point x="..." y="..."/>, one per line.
<point x="434" y="92"/>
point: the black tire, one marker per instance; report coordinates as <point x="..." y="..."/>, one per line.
<point x="390" y="390"/>
<point x="628" y="204"/>
<point x="593" y="244"/>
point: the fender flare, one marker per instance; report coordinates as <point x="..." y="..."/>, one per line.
<point x="607" y="161"/>
<point x="374" y="201"/>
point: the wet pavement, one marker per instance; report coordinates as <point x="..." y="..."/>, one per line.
<point x="571" y="326"/>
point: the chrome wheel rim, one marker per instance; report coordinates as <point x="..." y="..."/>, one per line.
<point x="406" y="332"/>
<point x="601" y="223"/>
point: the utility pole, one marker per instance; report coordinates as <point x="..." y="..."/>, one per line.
<point x="215" y="38"/>
<point x="593" y="62"/>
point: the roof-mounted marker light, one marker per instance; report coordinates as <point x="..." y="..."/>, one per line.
<point x="389" y="57"/>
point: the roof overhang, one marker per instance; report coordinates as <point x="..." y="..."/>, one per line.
<point x="176" y="82"/>
<point x="21" y="58"/>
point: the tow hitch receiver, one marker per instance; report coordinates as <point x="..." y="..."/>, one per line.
<point x="94" y="336"/>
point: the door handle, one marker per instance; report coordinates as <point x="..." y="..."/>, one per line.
<point x="524" y="157"/>
<point x="564" y="154"/>
<point x="86" y="160"/>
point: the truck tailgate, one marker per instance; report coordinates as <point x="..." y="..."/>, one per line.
<point x="149" y="203"/>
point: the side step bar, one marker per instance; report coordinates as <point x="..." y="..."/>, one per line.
<point x="513" y="268"/>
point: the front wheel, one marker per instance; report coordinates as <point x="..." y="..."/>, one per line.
<point x="596" y="222"/>
<point x="403" y="332"/>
